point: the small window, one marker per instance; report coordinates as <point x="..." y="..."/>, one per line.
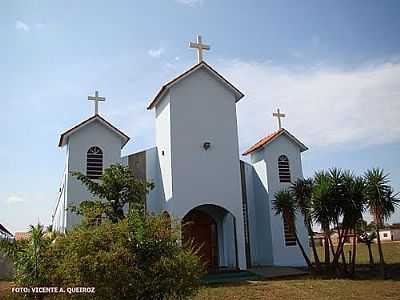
<point x="283" y="168"/>
<point x="290" y="238"/>
<point x="94" y="163"/>
<point x="385" y="235"/>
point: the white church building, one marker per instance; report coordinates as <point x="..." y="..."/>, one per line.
<point x="198" y="174"/>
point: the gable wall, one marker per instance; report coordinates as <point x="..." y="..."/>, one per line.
<point x="283" y="255"/>
<point x="94" y="134"/>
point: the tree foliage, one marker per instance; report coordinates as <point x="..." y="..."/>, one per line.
<point x="117" y="188"/>
<point x="336" y="200"/>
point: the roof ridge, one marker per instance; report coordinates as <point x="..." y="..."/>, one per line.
<point x="168" y="84"/>
<point x="269" y="138"/>
<point x="84" y="122"/>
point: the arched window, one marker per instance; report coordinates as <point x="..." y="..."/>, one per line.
<point x="283" y="167"/>
<point x="94" y="163"/>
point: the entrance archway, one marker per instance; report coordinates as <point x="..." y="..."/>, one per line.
<point x="201" y="230"/>
<point x="212" y="230"/>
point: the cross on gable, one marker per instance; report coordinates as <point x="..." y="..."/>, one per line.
<point x="279" y="116"/>
<point x="200" y="47"/>
<point x="96" y="98"/>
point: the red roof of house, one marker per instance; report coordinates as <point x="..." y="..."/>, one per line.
<point x="239" y="95"/>
<point x="269" y="138"/>
<point x="64" y="136"/>
<point x="22" y="235"/>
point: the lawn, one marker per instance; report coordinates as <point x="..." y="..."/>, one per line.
<point x="367" y="285"/>
<point x="305" y="288"/>
<point x="391" y="252"/>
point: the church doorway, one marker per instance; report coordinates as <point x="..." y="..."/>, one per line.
<point x="201" y="229"/>
<point x="212" y="230"/>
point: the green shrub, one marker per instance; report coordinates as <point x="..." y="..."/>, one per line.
<point x="29" y="257"/>
<point x="137" y="258"/>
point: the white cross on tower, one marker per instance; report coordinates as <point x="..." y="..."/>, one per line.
<point x="279" y="116"/>
<point x="96" y="100"/>
<point x="200" y="47"/>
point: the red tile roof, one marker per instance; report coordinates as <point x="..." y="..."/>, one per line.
<point x="269" y="138"/>
<point x="64" y="135"/>
<point x="239" y="95"/>
<point x="22" y="235"/>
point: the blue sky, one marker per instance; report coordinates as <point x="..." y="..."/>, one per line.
<point x="332" y="66"/>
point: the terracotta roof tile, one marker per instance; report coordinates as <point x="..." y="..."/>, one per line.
<point x="269" y="138"/>
<point x="262" y="142"/>
<point x="22" y="235"/>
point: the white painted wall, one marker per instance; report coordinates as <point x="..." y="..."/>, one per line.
<point x="93" y="134"/>
<point x="396" y="234"/>
<point x="163" y="142"/>
<point x="156" y="201"/>
<point x="258" y="214"/>
<point x="385" y="235"/>
<point x="268" y="158"/>
<point x="199" y="109"/>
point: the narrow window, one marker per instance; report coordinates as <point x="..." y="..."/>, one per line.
<point x="94" y="162"/>
<point x="283" y="167"/>
<point x="289" y="228"/>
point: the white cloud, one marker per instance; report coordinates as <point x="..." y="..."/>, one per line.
<point x="22" y="26"/>
<point x="191" y="3"/>
<point x="324" y="106"/>
<point x="14" y="199"/>
<point x="156" y="53"/>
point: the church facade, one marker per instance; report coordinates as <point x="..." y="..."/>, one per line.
<point x="198" y="174"/>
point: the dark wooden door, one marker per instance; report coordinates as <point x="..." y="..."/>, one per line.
<point x="200" y="228"/>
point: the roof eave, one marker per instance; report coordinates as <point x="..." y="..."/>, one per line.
<point x="283" y="131"/>
<point x="164" y="89"/>
<point x="65" y="135"/>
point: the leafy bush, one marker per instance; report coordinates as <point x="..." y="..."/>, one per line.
<point x="29" y="257"/>
<point x="137" y="258"/>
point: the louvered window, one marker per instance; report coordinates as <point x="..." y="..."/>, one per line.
<point x="94" y="162"/>
<point x="283" y="167"/>
<point x="290" y="239"/>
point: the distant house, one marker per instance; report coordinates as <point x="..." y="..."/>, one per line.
<point x="385" y="235"/>
<point x="318" y="239"/>
<point x="395" y="234"/>
<point x="22" y="235"/>
<point x="4" y="233"/>
<point x="390" y="233"/>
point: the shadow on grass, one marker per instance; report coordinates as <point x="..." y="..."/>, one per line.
<point x="363" y="272"/>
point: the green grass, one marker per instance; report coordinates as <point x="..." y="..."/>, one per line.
<point x="391" y="252"/>
<point x="310" y="289"/>
<point x="367" y="284"/>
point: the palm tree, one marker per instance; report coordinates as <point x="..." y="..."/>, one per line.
<point x="323" y="207"/>
<point x="381" y="204"/>
<point x="36" y="242"/>
<point x="353" y="207"/>
<point x="302" y="192"/>
<point x="285" y="205"/>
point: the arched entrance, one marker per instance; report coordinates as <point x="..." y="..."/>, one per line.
<point x="212" y="230"/>
<point x="201" y="230"/>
